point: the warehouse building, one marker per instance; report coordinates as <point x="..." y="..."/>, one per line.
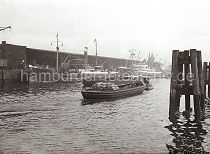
<point x="21" y="57"/>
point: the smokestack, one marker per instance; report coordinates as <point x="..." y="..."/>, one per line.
<point x="86" y="56"/>
<point x="4" y="42"/>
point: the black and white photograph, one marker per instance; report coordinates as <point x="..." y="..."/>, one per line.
<point x="104" y="77"/>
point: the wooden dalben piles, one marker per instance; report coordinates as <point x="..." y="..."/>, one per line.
<point x="206" y="74"/>
<point x="187" y="79"/>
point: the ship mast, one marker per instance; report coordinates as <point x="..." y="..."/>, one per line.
<point x="132" y="55"/>
<point x="95" y="41"/>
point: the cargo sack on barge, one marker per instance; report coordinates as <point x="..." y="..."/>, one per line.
<point x="104" y="86"/>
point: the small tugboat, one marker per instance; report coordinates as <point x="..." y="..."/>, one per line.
<point x="103" y="90"/>
<point x="148" y="84"/>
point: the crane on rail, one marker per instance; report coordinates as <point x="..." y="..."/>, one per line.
<point x="4" y="28"/>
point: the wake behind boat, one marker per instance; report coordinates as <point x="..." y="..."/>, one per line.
<point x="111" y="91"/>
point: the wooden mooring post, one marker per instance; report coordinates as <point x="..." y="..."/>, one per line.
<point x="206" y="76"/>
<point x="187" y="79"/>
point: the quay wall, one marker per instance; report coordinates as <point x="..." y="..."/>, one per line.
<point x="40" y="75"/>
<point x="8" y="76"/>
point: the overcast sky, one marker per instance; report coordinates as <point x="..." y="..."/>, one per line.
<point x="157" y="26"/>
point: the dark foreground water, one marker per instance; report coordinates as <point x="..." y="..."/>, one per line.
<point x="53" y="118"/>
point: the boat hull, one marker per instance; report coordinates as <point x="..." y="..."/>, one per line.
<point x="87" y="94"/>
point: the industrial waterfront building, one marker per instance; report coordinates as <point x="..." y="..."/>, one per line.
<point x="17" y="58"/>
<point x="21" y="57"/>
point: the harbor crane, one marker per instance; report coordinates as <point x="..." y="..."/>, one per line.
<point x="4" y="28"/>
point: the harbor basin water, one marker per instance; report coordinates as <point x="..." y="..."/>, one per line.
<point x="54" y="118"/>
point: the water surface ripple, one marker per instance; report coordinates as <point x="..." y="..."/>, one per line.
<point x="53" y="118"/>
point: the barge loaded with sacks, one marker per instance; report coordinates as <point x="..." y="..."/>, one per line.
<point x="104" y="90"/>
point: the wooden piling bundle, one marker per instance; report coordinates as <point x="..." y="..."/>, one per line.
<point x="209" y="80"/>
<point x="187" y="79"/>
<point x="206" y="76"/>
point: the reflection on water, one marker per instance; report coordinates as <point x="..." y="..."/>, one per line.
<point x="93" y="101"/>
<point x="187" y="137"/>
<point x="54" y="118"/>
